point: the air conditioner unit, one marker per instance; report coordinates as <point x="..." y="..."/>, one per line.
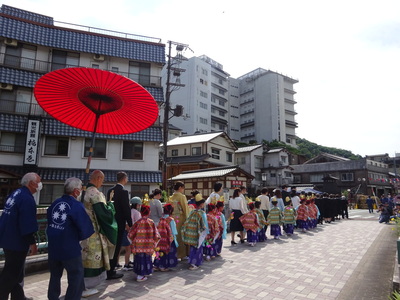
<point x="5" y="86"/>
<point x="98" y="57"/>
<point x="11" y="42"/>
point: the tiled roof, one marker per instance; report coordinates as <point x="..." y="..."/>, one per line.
<point x="196" y="138"/>
<point x="63" y="38"/>
<point x="16" y="123"/>
<point x="188" y="159"/>
<point x="204" y="173"/>
<point x="27" y="15"/>
<point x="53" y="174"/>
<point x="247" y="149"/>
<point x="28" y="79"/>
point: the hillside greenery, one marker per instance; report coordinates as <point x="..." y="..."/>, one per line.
<point x="306" y="148"/>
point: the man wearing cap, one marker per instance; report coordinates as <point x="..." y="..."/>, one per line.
<point x="120" y="198"/>
<point x="17" y="228"/>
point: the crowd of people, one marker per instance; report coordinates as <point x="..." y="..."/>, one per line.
<point x="87" y="230"/>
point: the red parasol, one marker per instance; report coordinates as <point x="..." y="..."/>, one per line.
<point x="97" y="101"/>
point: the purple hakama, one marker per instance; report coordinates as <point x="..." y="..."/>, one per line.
<point x="288" y="228"/>
<point x="251" y="236"/>
<point x="261" y="235"/>
<point x="196" y="255"/>
<point x="169" y="260"/>
<point x="142" y="264"/>
<point x="276" y="230"/>
<point x="218" y="246"/>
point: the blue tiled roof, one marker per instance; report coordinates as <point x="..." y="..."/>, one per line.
<point x="28" y="79"/>
<point x="49" y="126"/>
<point x="23" y="14"/>
<point x="53" y="174"/>
<point x="57" y="37"/>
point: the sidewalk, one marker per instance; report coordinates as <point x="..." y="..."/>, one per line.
<point x="347" y="259"/>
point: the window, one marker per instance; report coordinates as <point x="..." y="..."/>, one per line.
<point x="203" y="94"/>
<point x="287" y="174"/>
<point x="99" y="148"/>
<point x="23" y="56"/>
<point x="174" y="152"/>
<point x="12" y="142"/>
<point x="316" y="178"/>
<point x="215" y="153"/>
<point x="258" y="162"/>
<point x="196" y="151"/>
<point x="283" y="159"/>
<point x="51" y="192"/>
<point x="95" y="66"/>
<point x="203" y="121"/>
<point x="18" y="100"/>
<point x="139" y="190"/>
<point x="55" y="145"/>
<point x="203" y="105"/>
<point x="347" y="177"/>
<point x="139" y="72"/>
<point x="132" y="150"/>
<point x="241" y="160"/>
<point x="273" y="175"/>
<point x="64" y="59"/>
<point x="115" y="69"/>
<point x="229" y="156"/>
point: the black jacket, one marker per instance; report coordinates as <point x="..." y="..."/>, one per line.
<point x="121" y="204"/>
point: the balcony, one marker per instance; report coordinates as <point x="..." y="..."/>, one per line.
<point x="21" y="108"/>
<point x="39" y="66"/>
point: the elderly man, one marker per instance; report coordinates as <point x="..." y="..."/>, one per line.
<point x="100" y="246"/>
<point x="68" y="224"/>
<point x="17" y="228"/>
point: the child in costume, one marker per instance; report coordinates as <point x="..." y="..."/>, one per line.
<point x="261" y="236"/>
<point x="302" y="215"/>
<point x="289" y="219"/>
<point x="314" y="213"/>
<point x="144" y="236"/>
<point x="251" y="224"/>
<point x="275" y="219"/>
<point x="213" y="228"/>
<point x="194" y="231"/>
<point x="219" y="213"/>
<point x="167" y="245"/>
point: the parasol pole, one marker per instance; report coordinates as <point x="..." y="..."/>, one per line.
<point x="87" y="170"/>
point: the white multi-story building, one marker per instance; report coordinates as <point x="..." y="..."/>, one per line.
<point x="267" y="107"/>
<point x="254" y="107"/>
<point x="32" y="45"/>
<point x="204" y="97"/>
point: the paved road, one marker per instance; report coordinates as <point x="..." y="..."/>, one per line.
<point x="330" y="262"/>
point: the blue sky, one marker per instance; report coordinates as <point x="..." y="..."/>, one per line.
<point x="345" y="54"/>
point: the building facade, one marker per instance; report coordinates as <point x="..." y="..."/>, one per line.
<point x="32" y="45"/>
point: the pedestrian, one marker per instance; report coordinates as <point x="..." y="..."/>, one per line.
<point x="289" y="219"/>
<point x="194" y="231"/>
<point x="370" y="204"/>
<point x="285" y="195"/>
<point x="215" y="195"/>
<point x="119" y="196"/>
<point x="213" y="232"/>
<point x="278" y="197"/>
<point x="99" y="248"/>
<point x="250" y="224"/>
<point x="265" y="205"/>
<point x="156" y="210"/>
<point x="222" y="226"/>
<point x="167" y="245"/>
<point x="180" y="213"/>
<point x="261" y="234"/>
<point x="238" y="207"/>
<point x="144" y="236"/>
<point x="192" y="201"/>
<point x="302" y="215"/>
<point x="17" y="228"/>
<point x="275" y="219"/>
<point x="67" y="225"/>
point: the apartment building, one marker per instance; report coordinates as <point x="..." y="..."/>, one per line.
<point x="32" y="45"/>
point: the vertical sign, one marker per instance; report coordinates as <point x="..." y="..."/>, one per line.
<point x="32" y="141"/>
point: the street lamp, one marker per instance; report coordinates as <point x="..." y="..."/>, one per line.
<point x="172" y="67"/>
<point x="264" y="179"/>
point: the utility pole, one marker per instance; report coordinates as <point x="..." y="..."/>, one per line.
<point x="172" y="67"/>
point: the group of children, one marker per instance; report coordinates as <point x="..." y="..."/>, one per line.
<point x="155" y="245"/>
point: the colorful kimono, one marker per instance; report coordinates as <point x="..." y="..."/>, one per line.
<point x="289" y="219"/>
<point x="194" y="231"/>
<point x="275" y="219"/>
<point x="251" y="225"/>
<point x="222" y="229"/>
<point x="181" y="212"/>
<point x="262" y="222"/>
<point x="99" y="247"/>
<point x="302" y="217"/>
<point x="167" y="245"/>
<point x="144" y="236"/>
<point x="214" y="232"/>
